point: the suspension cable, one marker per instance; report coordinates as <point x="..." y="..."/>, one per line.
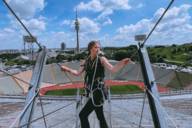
<point x="45" y="115"/>
<point x="42" y="110"/>
<point x="157" y="23"/>
<point x="156" y="99"/>
<point x="141" y="117"/>
<point x="154" y="27"/>
<point x="11" y="10"/>
<point x="1" y="70"/>
<point x="25" y="108"/>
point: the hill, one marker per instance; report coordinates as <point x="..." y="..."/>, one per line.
<point x="174" y="54"/>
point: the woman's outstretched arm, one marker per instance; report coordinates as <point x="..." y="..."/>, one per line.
<point x="117" y="66"/>
<point x="73" y="71"/>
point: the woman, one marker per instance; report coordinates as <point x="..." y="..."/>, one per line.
<point x="94" y="67"/>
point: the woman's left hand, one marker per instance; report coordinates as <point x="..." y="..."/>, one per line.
<point x="126" y="61"/>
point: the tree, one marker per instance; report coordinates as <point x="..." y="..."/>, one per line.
<point x="121" y="54"/>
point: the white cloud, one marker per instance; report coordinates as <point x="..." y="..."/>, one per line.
<point x="35" y="24"/>
<point x="171" y="29"/>
<point x="105" y="13"/>
<point x="27" y="8"/>
<point x="140" y="27"/>
<point x="88" y="26"/>
<point x="94" y="5"/>
<point x="140" y="5"/>
<point x="175" y="17"/>
<point x="54" y="39"/>
<point x="88" y="31"/>
<point x="108" y="21"/>
<point x="117" y="4"/>
<point x="105" y="7"/>
<point x="8" y="30"/>
<point x="66" y="22"/>
<point x="9" y="39"/>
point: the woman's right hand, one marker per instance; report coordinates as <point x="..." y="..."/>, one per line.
<point x="126" y="61"/>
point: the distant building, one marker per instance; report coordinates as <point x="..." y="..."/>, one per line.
<point x="63" y="46"/>
<point x="166" y="66"/>
<point x="161" y="65"/>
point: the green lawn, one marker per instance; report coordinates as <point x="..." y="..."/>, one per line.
<point x="126" y="89"/>
<point x="172" y="54"/>
<point x="64" y="92"/>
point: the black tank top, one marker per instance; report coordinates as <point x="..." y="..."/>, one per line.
<point x="89" y="71"/>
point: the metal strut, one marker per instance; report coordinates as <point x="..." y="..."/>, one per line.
<point x="149" y="79"/>
<point x="35" y="81"/>
<point x="156" y="112"/>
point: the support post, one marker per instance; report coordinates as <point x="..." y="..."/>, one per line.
<point x="149" y="80"/>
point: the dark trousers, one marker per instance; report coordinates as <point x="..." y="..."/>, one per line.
<point x="87" y="109"/>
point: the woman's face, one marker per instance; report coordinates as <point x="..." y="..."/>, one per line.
<point x="95" y="49"/>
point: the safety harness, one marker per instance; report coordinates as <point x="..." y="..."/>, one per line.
<point x="94" y="80"/>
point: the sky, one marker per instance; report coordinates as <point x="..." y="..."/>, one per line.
<point x="112" y="22"/>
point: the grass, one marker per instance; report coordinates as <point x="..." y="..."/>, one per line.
<point x="64" y="92"/>
<point x="176" y="55"/>
<point x="126" y="89"/>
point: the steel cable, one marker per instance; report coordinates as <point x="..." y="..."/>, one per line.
<point x="42" y="109"/>
<point x="46" y="115"/>
<point x="156" y="99"/>
<point x="22" y="24"/>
